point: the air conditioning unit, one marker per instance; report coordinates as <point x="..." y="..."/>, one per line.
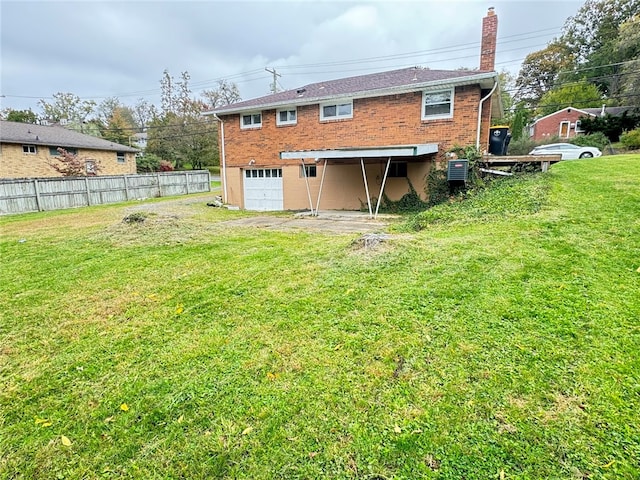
<point x="458" y="170"/>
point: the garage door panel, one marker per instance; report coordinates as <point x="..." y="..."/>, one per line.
<point x="263" y="189"/>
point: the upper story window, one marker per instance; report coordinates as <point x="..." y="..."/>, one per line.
<point x="286" y="116"/>
<point x="53" y="151"/>
<point x="437" y="104"/>
<point x="251" y="120"/>
<point x="120" y="157"/>
<point x="30" y="149"/>
<point x="334" y="111"/>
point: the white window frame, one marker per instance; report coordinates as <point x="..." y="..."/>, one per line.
<point x="427" y="93"/>
<point x="578" y="127"/>
<point x="252" y="125"/>
<point x="29" y="149"/>
<point x="337" y="104"/>
<point x="121" y="157"/>
<point x="288" y="121"/>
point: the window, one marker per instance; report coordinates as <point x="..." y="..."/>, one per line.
<point x="333" y="111"/>
<point x="120" y="157"/>
<point x="29" y="149"/>
<point x="263" y="173"/>
<point x="398" y="170"/>
<point x="53" y="151"/>
<point x="579" y="127"/>
<point x="286" y="117"/>
<point x="308" y="171"/>
<point x="90" y="167"/>
<point x="251" y="120"/>
<point x="437" y="104"/>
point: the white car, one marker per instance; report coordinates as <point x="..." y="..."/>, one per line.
<point x="567" y="150"/>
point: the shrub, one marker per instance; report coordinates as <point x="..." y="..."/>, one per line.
<point x="598" y="140"/>
<point x="148" y="163"/>
<point x="166" y="166"/>
<point x="521" y="147"/>
<point x="631" y="139"/>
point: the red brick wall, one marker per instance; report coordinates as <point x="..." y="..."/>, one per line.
<point x="380" y="121"/>
<point x="376" y="122"/>
<point x="549" y="127"/>
<point x="489" y="38"/>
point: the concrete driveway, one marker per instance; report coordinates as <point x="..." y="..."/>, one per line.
<point x="326" y="221"/>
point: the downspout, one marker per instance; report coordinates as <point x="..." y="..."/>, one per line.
<point x="495" y="85"/>
<point x="224" y="160"/>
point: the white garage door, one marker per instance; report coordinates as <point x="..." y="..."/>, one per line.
<point x="263" y="189"/>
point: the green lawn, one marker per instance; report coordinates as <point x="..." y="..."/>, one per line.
<point x="495" y="338"/>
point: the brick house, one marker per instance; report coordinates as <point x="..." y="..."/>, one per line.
<point x="28" y="150"/>
<point x="564" y="124"/>
<point x="343" y="144"/>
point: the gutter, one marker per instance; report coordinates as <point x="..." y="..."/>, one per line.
<point x="224" y="159"/>
<point x="495" y="85"/>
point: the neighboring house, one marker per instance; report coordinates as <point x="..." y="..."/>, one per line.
<point x="340" y="143"/>
<point x="28" y="150"/>
<point x="564" y="124"/>
<point x="139" y="140"/>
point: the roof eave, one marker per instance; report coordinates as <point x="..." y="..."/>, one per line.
<point x="480" y="78"/>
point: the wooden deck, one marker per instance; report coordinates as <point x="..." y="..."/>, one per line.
<point x="545" y="161"/>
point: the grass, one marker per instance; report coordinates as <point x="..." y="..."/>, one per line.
<point x="494" y="338"/>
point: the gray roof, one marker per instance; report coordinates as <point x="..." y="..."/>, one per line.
<point x="363" y="86"/>
<point x="613" y="111"/>
<point x="55" y="136"/>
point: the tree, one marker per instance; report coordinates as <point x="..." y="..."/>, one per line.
<point x="67" y="106"/>
<point x="628" y="47"/>
<point x="225" y="94"/>
<point x="577" y="94"/>
<point x="71" y="165"/>
<point x="592" y="36"/>
<point x="21" y="116"/>
<point x="542" y="70"/>
<point x="143" y="113"/>
<point x="179" y="133"/>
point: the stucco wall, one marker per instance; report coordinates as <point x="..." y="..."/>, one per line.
<point x="14" y="163"/>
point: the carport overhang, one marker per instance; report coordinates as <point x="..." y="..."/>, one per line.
<point x="362" y="153"/>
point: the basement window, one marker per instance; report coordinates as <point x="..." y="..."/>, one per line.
<point x="29" y="149"/>
<point x="437" y="105"/>
<point x="398" y="170"/>
<point x="251" y="120"/>
<point x="308" y="171"/>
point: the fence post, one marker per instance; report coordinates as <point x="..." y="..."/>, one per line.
<point x="159" y="186"/>
<point x="126" y="187"/>
<point x="186" y="181"/>
<point x="86" y="185"/>
<point x="36" y="188"/>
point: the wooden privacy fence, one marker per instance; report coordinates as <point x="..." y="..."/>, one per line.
<point x="37" y="194"/>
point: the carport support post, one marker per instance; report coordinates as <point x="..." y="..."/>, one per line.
<point x="306" y="181"/>
<point x="366" y="186"/>
<point x="324" y="170"/>
<point x="384" y="180"/>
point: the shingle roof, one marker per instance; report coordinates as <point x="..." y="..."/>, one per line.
<point x="613" y="111"/>
<point x="374" y="84"/>
<point x="54" y="136"/>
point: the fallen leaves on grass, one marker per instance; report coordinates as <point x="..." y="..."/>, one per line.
<point x="124" y="407"/>
<point x="43" y="422"/>
<point x="65" y="441"/>
<point x="247" y="431"/>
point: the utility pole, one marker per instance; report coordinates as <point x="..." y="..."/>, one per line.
<point x="274" y="85"/>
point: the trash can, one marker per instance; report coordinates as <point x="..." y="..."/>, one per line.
<point x="499" y="138"/>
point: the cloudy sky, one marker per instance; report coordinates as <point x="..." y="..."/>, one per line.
<point x="99" y="49"/>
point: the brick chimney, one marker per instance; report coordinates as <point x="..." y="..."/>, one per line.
<point x="489" y="37"/>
